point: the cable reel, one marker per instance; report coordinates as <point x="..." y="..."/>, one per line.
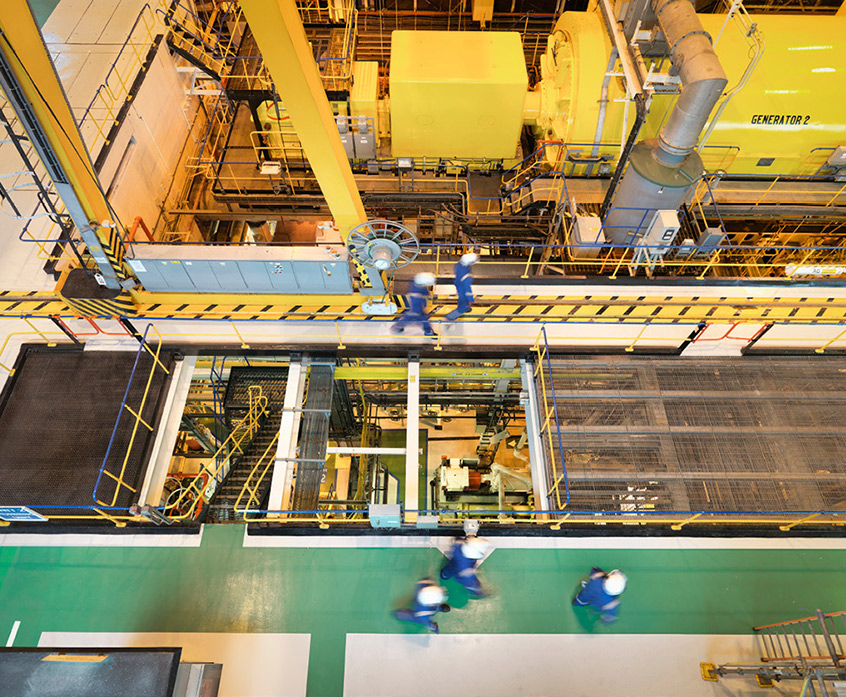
<point x="382" y="245"/>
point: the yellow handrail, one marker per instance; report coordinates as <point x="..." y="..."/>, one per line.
<point x="541" y="351"/>
<point x="136" y="413"/>
<point x="207" y="478"/>
<point x="250" y="488"/>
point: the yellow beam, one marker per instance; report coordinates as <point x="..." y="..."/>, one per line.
<point x="287" y="54"/>
<point x="23" y="46"/>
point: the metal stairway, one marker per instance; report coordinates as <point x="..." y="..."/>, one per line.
<point x="273" y="382"/>
<point x="810" y="649"/>
<point x="210" y="46"/>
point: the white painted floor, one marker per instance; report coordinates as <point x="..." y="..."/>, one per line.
<point x="545" y="665"/>
<point x="84" y="38"/>
<point x="401" y="541"/>
<point x="254" y="665"/>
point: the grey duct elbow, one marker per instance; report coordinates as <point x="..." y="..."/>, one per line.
<point x="680" y="134"/>
<point x="703" y="79"/>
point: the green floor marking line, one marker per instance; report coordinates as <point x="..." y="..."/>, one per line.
<point x="327" y="593"/>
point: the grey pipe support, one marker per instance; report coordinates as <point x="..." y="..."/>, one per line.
<point x="703" y="79"/>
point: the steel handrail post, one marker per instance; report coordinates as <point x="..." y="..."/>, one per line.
<point x="557" y="422"/>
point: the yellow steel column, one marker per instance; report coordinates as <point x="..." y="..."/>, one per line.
<point x="287" y="54"/>
<point x="33" y="74"/>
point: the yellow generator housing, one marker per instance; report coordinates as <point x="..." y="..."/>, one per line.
<point x="787" y="120"/>
<point x="456" y="94"/>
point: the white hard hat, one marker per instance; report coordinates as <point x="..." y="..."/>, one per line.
<point x="425" y="279"/>
<point x="432" y="594"/>
<point x="475" y="547"/>
<point x="469" y="259"/>
<point x="614" y="583"/>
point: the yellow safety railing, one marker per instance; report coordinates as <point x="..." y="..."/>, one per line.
<point x="541" y="350"/>
<point x="103" y="111"/>
<point x="34" y="330"/>
<point x="212" y="472"/>
<point x="214" y="48"/>
<point x="250" y="498"/>
<point x="136" y="413"/>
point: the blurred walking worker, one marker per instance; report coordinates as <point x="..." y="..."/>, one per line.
<point x="463" y="285"/>
<point x="429" y="600"/>
<point x="465" y="557"/>
<point x="602" y="592"/>
<point x="418" y="302"/>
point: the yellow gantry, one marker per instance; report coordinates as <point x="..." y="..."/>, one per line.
<point x="29" y="60"/>
<point x="281" y="38"/>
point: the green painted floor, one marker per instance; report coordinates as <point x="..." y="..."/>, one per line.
<point x="42" y="9"/>
<point x="222" y="587"/>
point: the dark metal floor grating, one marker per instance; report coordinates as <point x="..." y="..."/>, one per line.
<point x="57" y="419"/>
<point x="749" y="434"/>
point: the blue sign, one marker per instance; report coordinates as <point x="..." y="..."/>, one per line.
<point x="18" y="514"/>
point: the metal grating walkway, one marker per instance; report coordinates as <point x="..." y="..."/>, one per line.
<point x="313" y="437"/>
<point x="675" y="434"/>
<point x="57" y="418"/>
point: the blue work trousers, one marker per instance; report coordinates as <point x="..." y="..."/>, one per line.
<point x="466" y="577"/>
<point x="421" y="615"/>
<point x="410" y="316"/>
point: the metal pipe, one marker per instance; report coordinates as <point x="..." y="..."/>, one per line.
<point x="662" y="170"/>
<point x="703" y="79"/>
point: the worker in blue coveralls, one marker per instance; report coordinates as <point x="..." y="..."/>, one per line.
<point x="602" y="591"/>
<point x="418" y="300"/>
<point x="465" y="556"/>
<point x="429" y="600"/>
<point x="463" y="285"/>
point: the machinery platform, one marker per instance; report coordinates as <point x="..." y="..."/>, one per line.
<point x="57" y="416"/>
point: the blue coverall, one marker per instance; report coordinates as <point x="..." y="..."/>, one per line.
<point x="464" y="289"/>
<point x="593" y="594"/>
<point x="463" y="569"/>
<point x="418" y="299"/>
<point x="422" y="614"/>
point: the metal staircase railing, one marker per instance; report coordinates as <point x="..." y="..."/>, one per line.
<point x="809" y="649"/>
<point x="202" y="43"/>
<point x="188" y="504"/>
<point x="816" y="638"/>
<point x="256" y="485"/>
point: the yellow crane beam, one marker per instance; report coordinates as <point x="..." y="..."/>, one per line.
<point x="286" y="52"/>
<point x="33" y="88"/>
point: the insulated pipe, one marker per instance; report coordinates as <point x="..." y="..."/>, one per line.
<point x="703" y="79"/>
<point x="661" y="171"/>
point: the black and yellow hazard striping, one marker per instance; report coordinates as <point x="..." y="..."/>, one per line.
<point x="501" y="308"/>
<point x="120" y="306"/>
<point x="113" y="250"/>
<point x="587" y="308"/>
<point x="15" y="303"/>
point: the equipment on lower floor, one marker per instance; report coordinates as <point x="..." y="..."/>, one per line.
<point x="463" y="482"/>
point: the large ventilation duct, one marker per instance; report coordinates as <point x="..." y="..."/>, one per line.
<point x="662" y="170"/>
